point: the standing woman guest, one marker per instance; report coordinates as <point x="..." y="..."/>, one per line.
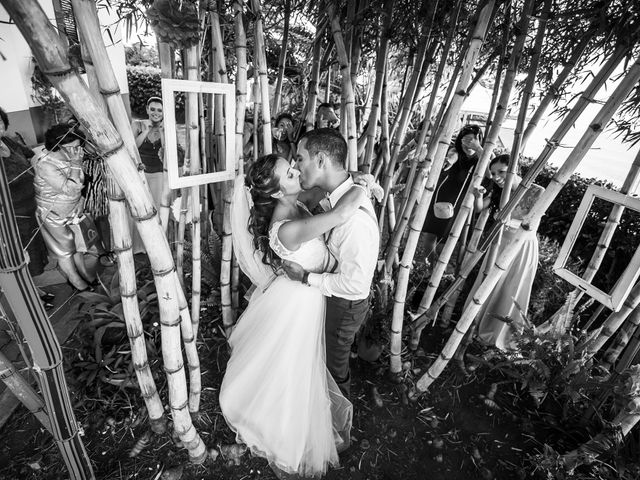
<point x="15" y="157"/>
<point x="517" y="280"/>
<point x="149" y="135"/>
<point x="452" y="185"/>
<point x="58" y="184"/>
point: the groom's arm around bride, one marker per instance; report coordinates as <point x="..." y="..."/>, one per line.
<point x="354" y="244"/>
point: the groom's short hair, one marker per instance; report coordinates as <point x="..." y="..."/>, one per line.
<point x="330" y="142"/>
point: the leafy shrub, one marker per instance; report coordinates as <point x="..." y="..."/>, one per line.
<point x="145" y="82"/>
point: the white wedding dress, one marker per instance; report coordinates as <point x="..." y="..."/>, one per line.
<point x="277" y="395"/>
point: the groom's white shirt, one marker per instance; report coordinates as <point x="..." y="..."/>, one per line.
<point x="355" y="246"/>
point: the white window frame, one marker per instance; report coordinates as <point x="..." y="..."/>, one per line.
<point x="618" y="294"/>
<point x="169" y="87"/>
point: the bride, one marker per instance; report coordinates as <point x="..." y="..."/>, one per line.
<point x="277" y="395"/>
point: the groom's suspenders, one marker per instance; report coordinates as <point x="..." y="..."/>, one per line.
<point x="365" y="210"/>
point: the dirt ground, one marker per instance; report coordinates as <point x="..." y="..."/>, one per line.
<point x="453" y="432"/>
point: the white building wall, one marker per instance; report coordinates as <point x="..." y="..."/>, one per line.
<point x="25" y="116"/>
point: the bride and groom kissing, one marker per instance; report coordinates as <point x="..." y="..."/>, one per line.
<point x="285" y="392"/>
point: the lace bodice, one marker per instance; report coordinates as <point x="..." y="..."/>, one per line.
<point x="313" y="255"/>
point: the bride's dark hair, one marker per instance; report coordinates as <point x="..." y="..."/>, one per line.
<point x="263" y="182"/>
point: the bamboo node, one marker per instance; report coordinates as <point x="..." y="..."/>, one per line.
<point x="168" y="371"/>
<point x="141" y="366"/>
<point x="11" y="269"/>
<point x="146" y="217"/>
<point x="181" y="407"/>
<point x="163" y="273"/>
<point x="175" y="323"/>
<point x="113" y="151"/>
<point x="59" y="73"/>
<point x="108" y="93"/>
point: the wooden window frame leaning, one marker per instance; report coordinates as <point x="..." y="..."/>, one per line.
<point x="169" y="87"/>
<point x="616" y="297"/>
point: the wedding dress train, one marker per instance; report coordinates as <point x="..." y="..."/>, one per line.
<point x="277" y="394"/>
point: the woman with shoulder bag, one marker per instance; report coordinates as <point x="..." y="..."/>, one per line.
<point x="454" y="180"/>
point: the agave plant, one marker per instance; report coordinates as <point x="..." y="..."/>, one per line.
<point x="107" y="358"/>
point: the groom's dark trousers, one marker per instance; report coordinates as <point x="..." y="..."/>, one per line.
<point x="343" y="320"/>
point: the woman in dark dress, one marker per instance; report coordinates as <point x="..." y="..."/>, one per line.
<point x="15" y="158"/>
<point x="452" y="185"/>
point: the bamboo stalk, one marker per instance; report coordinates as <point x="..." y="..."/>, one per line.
<point x="567" y="123"/>
<point x="87" y="21"/>
<point x="51" y="56"/>
<point x="437" y="151"/>
<point x="607" y="440"/>
<point x="23" y="391"/>
<point x="165" y="55"/>
<point x="228" y="314"/>
<point x="405" y="112"/>
<point x="539" y="208"/>
<point x="385" y="151"/>
<point x="381" y="58"/>
<point x="189" y="324"/>
<point x="283" y="57"/>
<point x="555" y="87"/>
<point x="630" y="186"/>
<point x="491" y="140"/>
<point x="476" y="234"/>
<point x="501" y="62"/>
<point x="347" y="89"/>
<point x="621" y="340"/>
<point x="261" y="59"/>
<point x="432" y="100"/>
<point x="314" y="80"/>
<point x="614" y="321"/>
<point x="522" y="117"/>
<point x="20" y="300"/>
<point x="182" y="226"/>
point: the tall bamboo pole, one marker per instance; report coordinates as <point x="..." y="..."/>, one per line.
<point x="165" y="55"/>
<point x="261" y="58"/>
<point x="427" y="125"/>
<point x="23" y="391"/>
<point x="51" y="56"/>
<point x="552" y="144"/>
<point x="522" y="117"/>
<point x="437" y="150"/>
<point x="87" y="21"/>
<point x="614" y="321"/>
<point x="189" y="323"/>
<point x="539" y="208"/>
<point x="314" y="80"/>
<point x="283" y="58"/>
<point x="347" y="89"/>
<point x="405" y="112"/>
<point x="381" y="57"/>
<point x="629" y="186"/>
<point x="606" y="440"/>
<point x="20" y="300"/>
<point x="620" y="342"/>
<point x="491" y="140"/>
<point x="501" y="62"/>
<point x="555" y="87"/>
<point x="228" y="314"/>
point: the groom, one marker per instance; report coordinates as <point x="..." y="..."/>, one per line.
<point x="320" y="158"/>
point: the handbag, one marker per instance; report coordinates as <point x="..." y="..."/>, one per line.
<point x="446" y="210"/>
<point x="85" y="233"/>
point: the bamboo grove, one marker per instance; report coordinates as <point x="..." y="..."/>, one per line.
<point x="402" y="67"/>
